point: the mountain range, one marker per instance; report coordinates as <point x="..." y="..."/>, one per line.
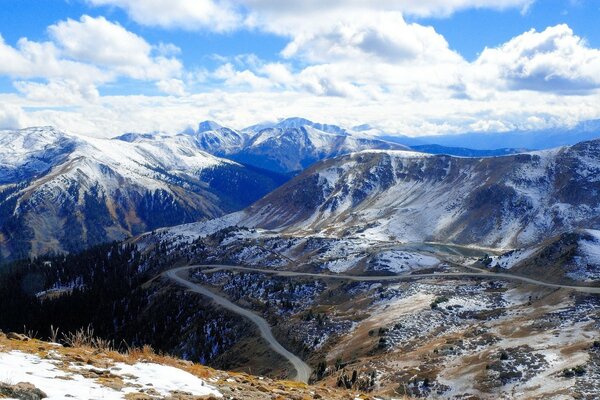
<point x="497" y="202"/>
<point x="62" y="192"/>
<point x="288" y="146"/>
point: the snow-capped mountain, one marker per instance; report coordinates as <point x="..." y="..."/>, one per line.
<point x="218" y="140"/>
<point x="501" y="202"/>
<point x="61" y="192"/>
<point x="290" y="145"/>
<point x="31" y="152"/>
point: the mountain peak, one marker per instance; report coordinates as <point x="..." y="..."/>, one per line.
<point x="207" y="126"/>
<point x="297" y="122"/>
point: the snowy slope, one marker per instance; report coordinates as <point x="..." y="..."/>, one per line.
<point x="216" y="139"/>
<point x="571" y="255"/>
<point x="62" y="192"/>
<point x="287" y="146"/>
<point x="502" y="202"/>
<point x="59" y="381"/>
<point x="30" y="152"/>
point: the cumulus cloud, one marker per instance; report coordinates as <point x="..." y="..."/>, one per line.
<point x="183" y="14"/>
<point x="99" y="41"/>
<point x="82" y="55"/>
<point x="554" y="60"/>
<point x="43" y="60"/>
<point x="283" y="17"/>
<point x="383" y="36"/>
<point x="174" y="87"/>
<point x="11" y="117"/>
<point x="107" y="44"/>
<point x="423" y="8"/>
<point x="348" y="62"/>
<point x="58" y="92"/>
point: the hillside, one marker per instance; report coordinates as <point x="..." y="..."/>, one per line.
<point x="290" y="145"/>
<point x="500" y="202"/>
<point x="61" y="192"/>
<point x="32" y="369"/>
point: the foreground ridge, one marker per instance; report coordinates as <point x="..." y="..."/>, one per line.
<point x="34" y="369"/>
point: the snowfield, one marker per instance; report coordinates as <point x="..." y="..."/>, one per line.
<point x="512" y="258"/>
<point x="587" y="260"/>
<point x="58" y="384"/>
<point x="402" y="261"/>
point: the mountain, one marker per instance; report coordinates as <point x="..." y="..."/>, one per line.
<point x="296" y="122"/>
<point x="216" y="139"/>
<point x="61" y="192"/>
<point x="464" y="152"/>
<point x="500" y="202"/>
<point x="31" y="371"/>
<point x="534" y="140"/>
<point x="287" y="146"/>
<point x="291" y="149"/>
<point x="571" y="256"/>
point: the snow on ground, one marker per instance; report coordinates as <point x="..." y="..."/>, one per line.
<point x="17" y="367"/>
<point x="343" y="264"/>
<point x="587" y="261"/>
<point x="512" y="258"/>
<point x="591" y="248"/>
<point x="189" y="232"/>
<point x="402" y="261"/>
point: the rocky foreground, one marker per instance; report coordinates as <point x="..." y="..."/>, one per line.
<point x="32" y="369"/>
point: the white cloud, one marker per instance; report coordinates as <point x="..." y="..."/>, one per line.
<point x="174" y="87"/>
<point x="180" y="14"/>
<point x="43" y="60"/>
<point x="411" y="7"/>
<point x="98" y="41"/>
<point x="378" y="37"/>
<point x="393" y="113"/>
<point x="58" y="92"/>
<point x="82" y="55"/>
<point x="554" y="60"/>
<point x="294" y="18"/>
<point x="11" y="117"/>
<point x="347" y="62"/>
<point x="284" y="17"/>
<point x="107" y="44"/>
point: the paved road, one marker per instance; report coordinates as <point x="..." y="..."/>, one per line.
<point x="405" y="277"/>
<point x="303" y="371"/>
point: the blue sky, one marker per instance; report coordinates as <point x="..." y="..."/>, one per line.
<point x="102" y="67"/>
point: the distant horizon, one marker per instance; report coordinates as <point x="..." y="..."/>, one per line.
<point x="532" y="140"/>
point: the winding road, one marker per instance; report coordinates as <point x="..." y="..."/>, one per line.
<point x="406" y="277"/>
<point x="303" y="370"/>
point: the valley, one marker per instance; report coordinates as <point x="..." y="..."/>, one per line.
<point x="383" y="271"/>
<point x="419" y="333"/>
<point x="299" y="200"/>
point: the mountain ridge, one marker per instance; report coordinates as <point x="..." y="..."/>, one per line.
<point x="501" y="202"/>
<point x="89" y="191"/>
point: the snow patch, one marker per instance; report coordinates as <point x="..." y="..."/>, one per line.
<point x="17" y="367"/>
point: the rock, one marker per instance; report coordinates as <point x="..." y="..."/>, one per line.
<point x="17" y="336"/>
<point x="21" y="391"/>
<point x="262" y="388"/>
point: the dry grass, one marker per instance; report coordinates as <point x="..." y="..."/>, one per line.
<point x="85" y="337"/>
<point x="84" y="348"/>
